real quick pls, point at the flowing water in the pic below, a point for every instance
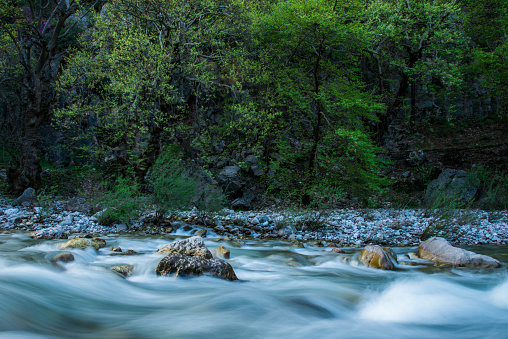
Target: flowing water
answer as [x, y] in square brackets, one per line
[283, 292]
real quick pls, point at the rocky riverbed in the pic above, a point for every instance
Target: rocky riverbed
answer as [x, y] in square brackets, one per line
[345, 227]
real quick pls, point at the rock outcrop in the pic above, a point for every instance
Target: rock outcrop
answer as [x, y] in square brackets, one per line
[27, 196]
[452, 187]
[376, 257]
[439, 250]
[190, 257]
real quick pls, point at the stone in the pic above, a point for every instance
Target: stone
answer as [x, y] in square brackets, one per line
[67, 221]
[27, 196]
[231, 180]
[245, 202]
[128, 252]
[124, 270]
[338, 250]
[63, 257]
[179, 265]
[11, 211]
[193, 246]
[116, 249]
[376, 257]
[48, 233]
[439, 250]
[82, 243]
[201, 233]
[452, 187]
[220, 252]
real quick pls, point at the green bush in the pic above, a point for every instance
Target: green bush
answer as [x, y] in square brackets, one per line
[173, 187]
[121, 203]
[494, 188]
[176, 188]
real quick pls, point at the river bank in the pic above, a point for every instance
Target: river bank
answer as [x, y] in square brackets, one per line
[345, 227]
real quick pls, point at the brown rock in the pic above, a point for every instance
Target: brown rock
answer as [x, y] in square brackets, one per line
[189, 266]
[63, 257]
[337, 250]
[116, 249]
[124, 270]
[439, 250]
[201, 233]
[376, 257]
[221, 252]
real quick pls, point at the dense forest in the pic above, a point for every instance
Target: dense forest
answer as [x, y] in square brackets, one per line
[199, 102]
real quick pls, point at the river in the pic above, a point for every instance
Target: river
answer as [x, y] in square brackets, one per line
[283, 292]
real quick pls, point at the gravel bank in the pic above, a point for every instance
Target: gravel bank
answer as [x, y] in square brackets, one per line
[348, 227]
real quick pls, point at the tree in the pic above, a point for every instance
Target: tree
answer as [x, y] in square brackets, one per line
[421, 40]
[145, 74]
[33, 37]
[305, 91]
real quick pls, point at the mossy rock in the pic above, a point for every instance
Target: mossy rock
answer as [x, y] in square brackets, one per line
[82, 243]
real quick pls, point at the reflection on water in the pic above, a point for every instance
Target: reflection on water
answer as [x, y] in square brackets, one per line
[283, 292]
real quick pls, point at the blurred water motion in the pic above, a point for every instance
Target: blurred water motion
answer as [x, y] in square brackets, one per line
[284, 292]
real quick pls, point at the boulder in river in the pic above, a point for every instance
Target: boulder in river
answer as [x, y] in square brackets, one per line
[439, 250]
[124, 270]
[221, 252]
[376, 257]
[188, 266]
[191, 246]
[63, 257]
[83, 243]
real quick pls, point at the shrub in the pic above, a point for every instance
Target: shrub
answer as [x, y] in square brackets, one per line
[121, 203]
[175, 187]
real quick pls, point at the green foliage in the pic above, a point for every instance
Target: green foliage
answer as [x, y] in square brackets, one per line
[176, 188]
[120, 203]
[494, 183]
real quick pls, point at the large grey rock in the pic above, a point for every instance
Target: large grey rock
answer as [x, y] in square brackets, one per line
[231, 180]
[244, 203]
[49, 233]
[188, 266]
[452, 187]
[193, 246]
[27, 196]
[376, 257]
[439, 250]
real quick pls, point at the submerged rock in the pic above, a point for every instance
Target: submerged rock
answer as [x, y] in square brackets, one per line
[439, 250]
[221, 252]
[124, 270]
[191, 246]
[337, 250]
[376, 257]
[83, 243]
[63, 257]
[201, 233]
[188, 266]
